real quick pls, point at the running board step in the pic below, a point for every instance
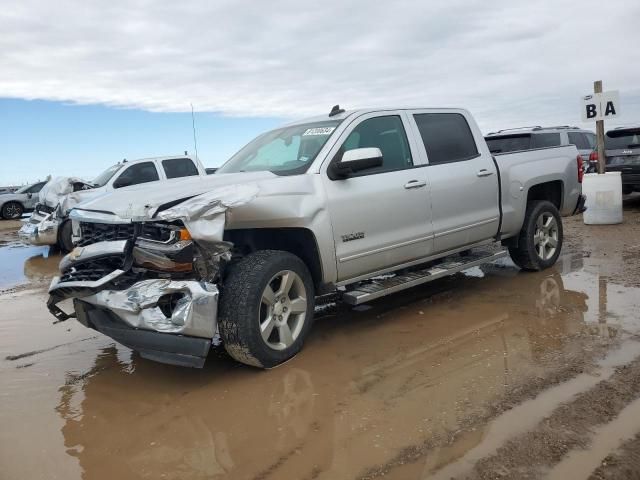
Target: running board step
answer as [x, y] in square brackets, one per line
[380, 287]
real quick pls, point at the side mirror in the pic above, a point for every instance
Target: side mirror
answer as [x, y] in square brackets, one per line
[122, 182]
[29, 195]
[356, 160]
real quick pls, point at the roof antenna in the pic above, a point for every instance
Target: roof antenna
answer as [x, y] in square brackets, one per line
[336, 110]
[193, 124]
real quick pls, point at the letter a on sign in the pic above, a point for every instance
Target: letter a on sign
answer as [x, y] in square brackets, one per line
[600, 106]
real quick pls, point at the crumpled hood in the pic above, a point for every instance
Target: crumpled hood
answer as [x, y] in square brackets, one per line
[141, 202]
[59, 191]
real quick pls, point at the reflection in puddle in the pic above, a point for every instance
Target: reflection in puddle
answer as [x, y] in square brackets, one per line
[21, 263]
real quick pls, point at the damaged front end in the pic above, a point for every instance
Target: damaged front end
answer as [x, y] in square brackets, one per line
[42, 226]
[149, 282]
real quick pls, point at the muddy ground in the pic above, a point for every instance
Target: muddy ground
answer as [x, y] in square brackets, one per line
[488, 374]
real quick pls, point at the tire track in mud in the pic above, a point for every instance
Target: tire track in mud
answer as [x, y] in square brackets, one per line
[569, 428]
[623, 463]
[527, 389]
[536, 424]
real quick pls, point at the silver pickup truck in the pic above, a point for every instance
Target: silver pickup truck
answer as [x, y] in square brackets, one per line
[357, 204]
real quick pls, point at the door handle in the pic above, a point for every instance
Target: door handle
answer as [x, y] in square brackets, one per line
[484, 173]
[414, 184]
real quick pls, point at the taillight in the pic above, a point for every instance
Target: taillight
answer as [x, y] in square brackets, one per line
[580, 168]
[593, 157]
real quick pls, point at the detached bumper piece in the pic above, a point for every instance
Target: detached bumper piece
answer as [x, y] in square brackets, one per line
[181, 350]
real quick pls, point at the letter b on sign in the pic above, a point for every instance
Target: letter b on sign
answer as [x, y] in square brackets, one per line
[592, 111]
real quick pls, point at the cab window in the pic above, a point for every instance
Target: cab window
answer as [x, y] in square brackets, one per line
[143, 172]
[386, 133]
[179, 167]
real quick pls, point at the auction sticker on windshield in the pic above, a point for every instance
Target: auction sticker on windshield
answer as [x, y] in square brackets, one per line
[319, 131]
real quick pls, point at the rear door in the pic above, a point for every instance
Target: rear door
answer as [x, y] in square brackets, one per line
[463, 180]
[381, 217]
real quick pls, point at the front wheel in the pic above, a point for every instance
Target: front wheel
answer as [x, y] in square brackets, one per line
[65, 243]
[266, 308]
[540, 239]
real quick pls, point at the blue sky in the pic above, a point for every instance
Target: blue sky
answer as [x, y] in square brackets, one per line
[46, 137]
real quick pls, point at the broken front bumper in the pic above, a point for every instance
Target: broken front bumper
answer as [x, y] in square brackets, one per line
[170, 321]
[40, 229]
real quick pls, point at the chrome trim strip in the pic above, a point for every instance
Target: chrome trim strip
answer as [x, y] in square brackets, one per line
[57, 284]
[384, 249]
[466, 227]
[96, 217]
[99, 249]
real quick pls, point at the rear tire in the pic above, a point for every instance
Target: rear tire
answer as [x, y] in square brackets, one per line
[266, 308]
[540, 240]
[12, 210]
[64, 237]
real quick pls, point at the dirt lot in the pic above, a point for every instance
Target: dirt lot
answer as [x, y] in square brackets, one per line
[489, 374]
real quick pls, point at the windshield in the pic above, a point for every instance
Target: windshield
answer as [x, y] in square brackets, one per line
[102, 179]
[509, 143]
[23, 189]
[285, 151]
[622, 139]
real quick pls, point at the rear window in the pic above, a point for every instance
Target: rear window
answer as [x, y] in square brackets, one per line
[509, 143]
[446, 137]
[179, 167]
[544, 140]
[622, 139]
[580, 140]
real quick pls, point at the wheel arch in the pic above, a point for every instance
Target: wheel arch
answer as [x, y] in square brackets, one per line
[299, 241]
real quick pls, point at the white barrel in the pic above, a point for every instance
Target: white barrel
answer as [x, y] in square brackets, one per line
[604, 198]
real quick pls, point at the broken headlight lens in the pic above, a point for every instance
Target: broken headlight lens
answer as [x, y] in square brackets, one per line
[173, 255]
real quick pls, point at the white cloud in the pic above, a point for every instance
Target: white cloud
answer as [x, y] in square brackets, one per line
[510, 62]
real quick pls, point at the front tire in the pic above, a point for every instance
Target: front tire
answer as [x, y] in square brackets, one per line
[266, 308]
[540, 239]
[64, 237]
[12, 210]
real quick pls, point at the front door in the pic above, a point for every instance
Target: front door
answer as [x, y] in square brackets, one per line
[381, 217]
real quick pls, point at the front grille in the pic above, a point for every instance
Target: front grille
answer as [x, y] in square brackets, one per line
[102, 232]
[93, 270]
[45, 209]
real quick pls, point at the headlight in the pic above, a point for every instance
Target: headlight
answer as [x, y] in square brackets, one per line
[174, 255]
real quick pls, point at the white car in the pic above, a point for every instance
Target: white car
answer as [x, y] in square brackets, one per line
[48, 225]
[14, 204]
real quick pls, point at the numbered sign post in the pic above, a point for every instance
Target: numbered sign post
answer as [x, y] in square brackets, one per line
[600, 107]
[603, 190]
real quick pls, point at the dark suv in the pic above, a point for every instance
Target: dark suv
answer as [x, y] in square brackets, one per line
[622, 154]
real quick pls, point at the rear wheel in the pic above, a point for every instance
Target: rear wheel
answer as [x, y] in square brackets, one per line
[540, 239]
[266, 308]
[12, 210]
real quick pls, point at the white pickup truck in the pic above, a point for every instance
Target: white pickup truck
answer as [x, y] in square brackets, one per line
[357, 204]
[49, 225]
